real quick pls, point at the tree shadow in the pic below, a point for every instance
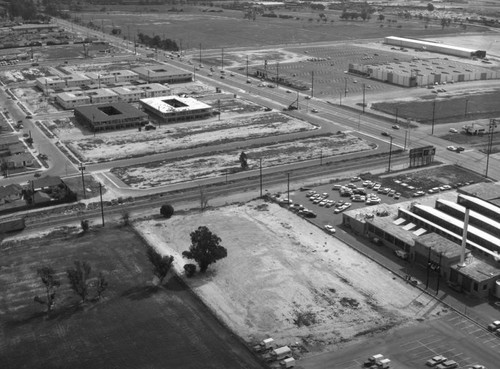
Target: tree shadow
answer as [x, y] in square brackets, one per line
[140, 292]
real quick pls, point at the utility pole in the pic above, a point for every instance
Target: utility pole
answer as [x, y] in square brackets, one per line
[102, 208]
[82, 168]
[312, 83]
[247, 67]
[493, 124]
[364, 88]
[390, 155]
[288, 187]
[428, 268]
[218, 103]
[277, 74]
[397, 114]
[433, 115]
[222, 59]
[345, 87]
[194, 73]
[260, 170]
[200, 53]
[439, 272]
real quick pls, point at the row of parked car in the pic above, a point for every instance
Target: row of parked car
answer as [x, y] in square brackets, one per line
[322, 200]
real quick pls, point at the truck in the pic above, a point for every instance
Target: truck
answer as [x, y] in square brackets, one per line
[265, 345]
[474, 129]
[12, 224]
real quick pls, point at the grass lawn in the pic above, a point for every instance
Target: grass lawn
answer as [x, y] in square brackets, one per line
[134, 326]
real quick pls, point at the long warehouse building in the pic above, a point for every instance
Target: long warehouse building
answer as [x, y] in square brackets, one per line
[435, 47]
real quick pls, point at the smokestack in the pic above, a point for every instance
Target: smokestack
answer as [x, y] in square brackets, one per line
[464, 238]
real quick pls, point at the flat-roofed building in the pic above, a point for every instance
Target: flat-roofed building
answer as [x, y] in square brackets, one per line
[102, 96]
[70, 100]
[114, 76]
[163, 73]
[58, 82]
[107, 117]
[135, 93]
[176, 109]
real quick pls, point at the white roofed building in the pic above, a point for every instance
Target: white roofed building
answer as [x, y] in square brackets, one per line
[70, 100]
[176, 109]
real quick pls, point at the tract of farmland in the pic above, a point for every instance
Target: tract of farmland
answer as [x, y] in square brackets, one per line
[134, 325]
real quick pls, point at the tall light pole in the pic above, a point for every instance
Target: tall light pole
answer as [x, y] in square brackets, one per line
[288, 188]
[390, 155]
[312, 83]
[102, 209]
[493, 124]
[247, 67]
[433, 115]
[345, 87]
[82, 168]
[277, 74]
[260, 175]
[200, 53]
[364, 89]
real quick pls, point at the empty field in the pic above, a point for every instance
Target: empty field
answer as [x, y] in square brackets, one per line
[135, 326]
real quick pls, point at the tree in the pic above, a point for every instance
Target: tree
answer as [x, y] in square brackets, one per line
[244, 160]
[161, 264]
[51, 283]
[126, 218]
[78, 278]
[167, 210]
[205, 248]
[101, 285]
[85, 225]
[430, 7]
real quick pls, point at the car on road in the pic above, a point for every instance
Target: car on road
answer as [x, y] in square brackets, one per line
[494, 326]
[385, 134]
[419, 194]
[395, 126]
[314, 110]
[308, 97]
[435, 360]
[477, 366]
[248, 81]
[288, 91]
[453, 130]
[329, 228]
[452, 148]
[460, 149]
[448, 364]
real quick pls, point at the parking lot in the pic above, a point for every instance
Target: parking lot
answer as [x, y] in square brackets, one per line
[451, 336]
[330, 215]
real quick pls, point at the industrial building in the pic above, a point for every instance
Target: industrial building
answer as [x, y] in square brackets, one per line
[434, 47]
[432, 236]
[107, 117]
[423, 72]
[163, 74]
[176, 109]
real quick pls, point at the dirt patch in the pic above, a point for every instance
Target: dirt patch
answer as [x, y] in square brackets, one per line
[218, 164]
[287, 279]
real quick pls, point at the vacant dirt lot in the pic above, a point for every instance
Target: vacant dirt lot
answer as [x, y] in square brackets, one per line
[287, 279]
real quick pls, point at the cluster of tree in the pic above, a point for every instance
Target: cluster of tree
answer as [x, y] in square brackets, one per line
[79, 281]
[317, 6]
[24, 9]
[364, 14]
[158, 43]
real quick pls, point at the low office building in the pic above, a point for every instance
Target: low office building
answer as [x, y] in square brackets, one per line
[163, 74]
[176, 109]
[102, 96]
[114, 76]
[58, 83]
[107, 117]
[70, 100]
[137, 92]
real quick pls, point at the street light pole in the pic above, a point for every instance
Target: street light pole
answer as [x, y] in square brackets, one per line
[345, 87]
[82, 168]
[390, 155]
[288, 187]
[312, 83]
[433, 115]
[260, 175]
[102, 209]
[364, 88]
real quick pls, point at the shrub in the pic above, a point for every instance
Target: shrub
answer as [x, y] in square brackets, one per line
[189, 269]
